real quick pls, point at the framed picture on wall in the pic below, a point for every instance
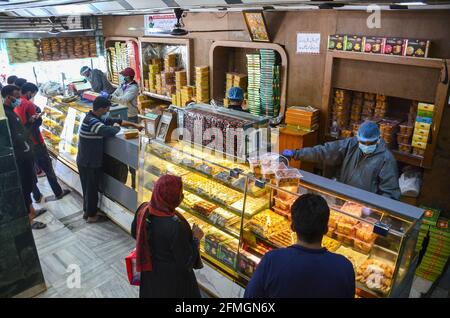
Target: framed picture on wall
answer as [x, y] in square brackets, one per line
[256, 25]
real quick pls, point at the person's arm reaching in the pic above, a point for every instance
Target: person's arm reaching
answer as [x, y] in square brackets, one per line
[388, 180]
[331, 153]
[101, 129]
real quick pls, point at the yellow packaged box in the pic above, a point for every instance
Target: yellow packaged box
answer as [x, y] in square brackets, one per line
[420, 138]
[419, 125]
[422, 132]
[418, 144]
[425, 106]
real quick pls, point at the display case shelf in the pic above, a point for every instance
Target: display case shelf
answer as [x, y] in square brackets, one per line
[157, 96]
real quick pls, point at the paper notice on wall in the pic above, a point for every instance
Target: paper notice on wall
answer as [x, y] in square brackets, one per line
[308, 43]
[159, 23]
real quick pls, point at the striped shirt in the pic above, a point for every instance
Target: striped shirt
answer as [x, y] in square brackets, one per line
[92, 132]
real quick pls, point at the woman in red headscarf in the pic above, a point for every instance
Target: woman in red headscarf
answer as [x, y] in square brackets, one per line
[167, 250]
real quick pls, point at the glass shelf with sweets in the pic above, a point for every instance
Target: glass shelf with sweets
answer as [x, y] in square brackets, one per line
[242, 223]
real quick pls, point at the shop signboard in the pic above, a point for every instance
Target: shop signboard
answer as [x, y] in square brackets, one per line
[159, 23]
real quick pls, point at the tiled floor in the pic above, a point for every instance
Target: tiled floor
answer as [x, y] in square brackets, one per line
[98, 249]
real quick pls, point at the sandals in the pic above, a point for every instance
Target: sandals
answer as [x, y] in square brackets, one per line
[38, 225]
[40, 212]
[101, 214]
[96, 219]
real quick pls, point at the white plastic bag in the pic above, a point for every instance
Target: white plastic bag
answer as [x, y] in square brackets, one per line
[410, 183]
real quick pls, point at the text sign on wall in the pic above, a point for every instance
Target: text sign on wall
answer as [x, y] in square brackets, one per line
[159, 23]
[308, 43]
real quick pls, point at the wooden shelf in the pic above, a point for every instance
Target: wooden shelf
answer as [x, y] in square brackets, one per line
[157, 96]
[219, 60]
[410, 78]
[408, 158]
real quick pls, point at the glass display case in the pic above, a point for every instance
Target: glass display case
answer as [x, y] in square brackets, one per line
[244, 217]
[61, 124]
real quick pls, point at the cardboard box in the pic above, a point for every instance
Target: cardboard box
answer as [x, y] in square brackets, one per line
[354, 43]
[422, 126]
[425, 106]
[337, 42]
[421, 145]
[374, 44]
[430, 217]
[395, 46]
[420, 138]
[417, 48]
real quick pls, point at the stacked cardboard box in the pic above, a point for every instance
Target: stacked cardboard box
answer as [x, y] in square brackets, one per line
[170, 62]
[144, 103]
[168, 82]
[180, 79]
[254, 79]
[235, 80]
[430, 218]
[380, 106]
[437, 252]
[306, 118]
[153, 70]
[422, 128]
[341, 107]
[187, 94]
[202, 84]
[158, 85]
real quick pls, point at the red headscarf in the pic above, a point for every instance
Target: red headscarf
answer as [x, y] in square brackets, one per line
[166, 196]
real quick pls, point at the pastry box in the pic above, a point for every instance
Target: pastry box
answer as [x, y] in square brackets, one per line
[374, 44]
[354, 43]
[417, 48]
[337, 42]
[395, 46]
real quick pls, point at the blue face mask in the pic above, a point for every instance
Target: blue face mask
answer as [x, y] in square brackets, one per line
[105, 116]
[367, 149]
[15, 103]
[121, 79]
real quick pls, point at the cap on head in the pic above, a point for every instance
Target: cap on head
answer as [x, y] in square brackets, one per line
[84, 69]
[368, 132]
[128, 72]
[236, 94]
[101, 102]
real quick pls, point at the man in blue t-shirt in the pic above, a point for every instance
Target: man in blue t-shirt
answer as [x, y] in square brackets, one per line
[305, 269]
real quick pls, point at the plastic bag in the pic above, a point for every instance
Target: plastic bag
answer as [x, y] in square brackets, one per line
[134, 277]
[410, 182]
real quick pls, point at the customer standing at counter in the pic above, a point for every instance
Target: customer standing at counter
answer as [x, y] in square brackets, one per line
[30, 116]
[22, 152]
[167, 249]
[365, 161]
[306, 269]
[97, 79]
[236, 99]
[96, 126]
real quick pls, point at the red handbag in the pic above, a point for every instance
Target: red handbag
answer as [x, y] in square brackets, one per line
[134, 277]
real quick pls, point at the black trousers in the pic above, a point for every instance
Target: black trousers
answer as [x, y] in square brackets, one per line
[90, 180]
[43, 160]
[132, 170]
[27, 179]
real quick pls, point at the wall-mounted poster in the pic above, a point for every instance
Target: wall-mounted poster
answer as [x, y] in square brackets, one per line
[159, 23]
[256, 25]
[308, 43]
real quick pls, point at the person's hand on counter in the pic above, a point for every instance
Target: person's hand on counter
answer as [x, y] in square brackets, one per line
[130, 124]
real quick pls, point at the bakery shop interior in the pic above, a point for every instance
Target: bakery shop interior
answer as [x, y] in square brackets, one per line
[257, 106]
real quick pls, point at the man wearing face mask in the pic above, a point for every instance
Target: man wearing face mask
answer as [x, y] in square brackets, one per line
[365, 161]
[22, 151]
[97, 79]
[30, 116]
[96, 126]
[126, 94]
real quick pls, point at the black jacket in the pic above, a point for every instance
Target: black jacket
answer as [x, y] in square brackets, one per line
[174, 254]
[19, 136]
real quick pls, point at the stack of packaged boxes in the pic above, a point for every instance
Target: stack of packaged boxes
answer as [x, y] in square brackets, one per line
[341, 108]
[187, 95]
[305, 118]
[437, 252]
[235, 80]
[180, 79]
[168, 83]
[430, 218]
[254, 78]
[202, 84]
[153, 70]
[170, 62]
[368, 106]
[422, 128]
[158, 84]
[380, 106]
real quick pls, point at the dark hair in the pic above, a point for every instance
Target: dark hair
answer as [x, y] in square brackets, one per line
[8, 90]
[29, 87]
[310, 214]
[11, 79]
[20, 82]
[101, 102]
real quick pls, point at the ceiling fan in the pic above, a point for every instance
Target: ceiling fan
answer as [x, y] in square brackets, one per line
[54, 21]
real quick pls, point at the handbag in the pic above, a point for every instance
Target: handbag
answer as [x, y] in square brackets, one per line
[134, 277]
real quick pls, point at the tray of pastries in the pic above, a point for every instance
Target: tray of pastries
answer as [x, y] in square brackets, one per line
[376, 275]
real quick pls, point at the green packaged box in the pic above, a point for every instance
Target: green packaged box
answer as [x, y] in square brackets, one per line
[425, 113]
[354, 43]
[430, 216]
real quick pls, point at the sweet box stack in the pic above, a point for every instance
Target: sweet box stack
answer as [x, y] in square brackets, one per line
[187, 94]
[235, 80]
[267, 60]
[202, 84]
[437, 252]
[356, 109]
[153, 70]
[341, 107]
[180, 79]
[254, 78]
[170, 62]
[422, 128]
[430, 218]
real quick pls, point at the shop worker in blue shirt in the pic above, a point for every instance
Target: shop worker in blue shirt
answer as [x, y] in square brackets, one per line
[96, 126]
[364, 161]
[306, 269]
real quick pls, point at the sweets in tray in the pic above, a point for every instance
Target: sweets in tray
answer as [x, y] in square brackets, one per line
[252, 205]
[376, 275]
